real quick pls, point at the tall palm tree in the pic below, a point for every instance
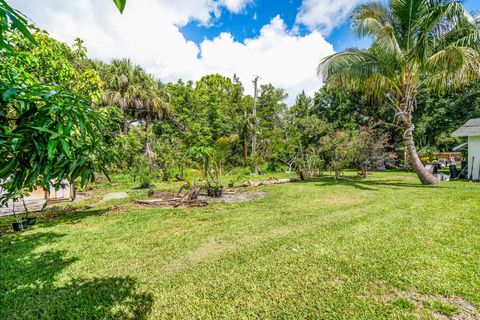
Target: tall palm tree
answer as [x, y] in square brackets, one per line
[155, 101]
[123, 88]
[431, 44]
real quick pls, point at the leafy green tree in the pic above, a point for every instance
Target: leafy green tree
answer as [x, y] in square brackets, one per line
[271, 110]
[244, 124]
[338, 150]
[49, 61]
[416, 44]
[48, 132]
[127, 146]
[370, 147]
[47, 135]
[436, 117]
[303, 131]
[123, 88]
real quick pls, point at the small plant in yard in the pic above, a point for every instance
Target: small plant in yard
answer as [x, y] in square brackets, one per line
[21, 223]
[370, 148]
[142, 171]
[213, 175]
[235, 180]
[338, 150]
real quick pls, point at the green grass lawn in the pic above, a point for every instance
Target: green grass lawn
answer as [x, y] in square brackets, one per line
[378, 248]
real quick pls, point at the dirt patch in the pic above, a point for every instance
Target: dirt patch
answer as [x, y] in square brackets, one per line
[438, 306]
[80, 196]
[166, 199]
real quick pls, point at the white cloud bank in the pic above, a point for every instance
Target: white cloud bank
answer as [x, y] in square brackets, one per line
[324, 15]
[148, 33]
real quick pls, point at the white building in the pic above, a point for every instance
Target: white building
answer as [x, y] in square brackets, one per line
[471, 129]
[36, 200]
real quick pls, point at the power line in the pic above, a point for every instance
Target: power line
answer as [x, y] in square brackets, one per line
[157, 55]
[153, 54]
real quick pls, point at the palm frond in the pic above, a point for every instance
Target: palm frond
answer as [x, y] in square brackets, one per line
[452, 67]
[369, 18]
[357, 70]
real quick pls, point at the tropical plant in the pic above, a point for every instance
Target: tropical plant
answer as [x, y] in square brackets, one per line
[223, 149]
[48, 132]
[338, 150]
[370, 148]
[211, 172]
[122, 89]
[141, 169]
[432, 44]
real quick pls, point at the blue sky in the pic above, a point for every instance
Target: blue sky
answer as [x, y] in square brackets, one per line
[247, 24]
[282, 41]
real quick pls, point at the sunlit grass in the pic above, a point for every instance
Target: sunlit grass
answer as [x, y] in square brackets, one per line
[320, 249]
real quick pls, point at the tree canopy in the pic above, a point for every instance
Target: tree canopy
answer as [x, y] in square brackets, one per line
[417, 44]
[49, 131]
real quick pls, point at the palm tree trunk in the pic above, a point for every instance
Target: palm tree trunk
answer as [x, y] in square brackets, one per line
[425, 177]
[407, 106]
[125, 122]
[245, 149]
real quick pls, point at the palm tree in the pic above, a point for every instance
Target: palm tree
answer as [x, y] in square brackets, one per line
[123, 88]
[155, 101]
[430, 44]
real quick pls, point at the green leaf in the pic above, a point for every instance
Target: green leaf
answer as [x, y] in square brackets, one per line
[8, 93]
[52, 146]
[120, 4]
[66, 147]
[5, 171]
[44, 130]
[20, 24]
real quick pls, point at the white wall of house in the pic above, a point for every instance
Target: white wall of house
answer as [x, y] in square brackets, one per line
[474, 158]
[36, 200]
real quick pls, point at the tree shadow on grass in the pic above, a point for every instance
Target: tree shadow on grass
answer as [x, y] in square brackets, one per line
[366, 183]
[59, 215]
[29, 290]
[52, 216]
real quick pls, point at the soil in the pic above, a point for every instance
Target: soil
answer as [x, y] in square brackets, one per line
[423, 303]
[166, 199]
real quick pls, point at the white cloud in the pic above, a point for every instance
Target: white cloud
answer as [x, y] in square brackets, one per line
[235, 6]
[324, 15]
[279, 57]
[148, 33]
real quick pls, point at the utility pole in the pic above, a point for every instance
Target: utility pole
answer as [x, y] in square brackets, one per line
[254, 130]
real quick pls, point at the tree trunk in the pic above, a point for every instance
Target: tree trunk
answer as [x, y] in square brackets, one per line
[125, 122]
[406, 104]
[245, 150]
[425, 177]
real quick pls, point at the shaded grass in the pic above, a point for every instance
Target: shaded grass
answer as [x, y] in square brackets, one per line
[317, 249]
